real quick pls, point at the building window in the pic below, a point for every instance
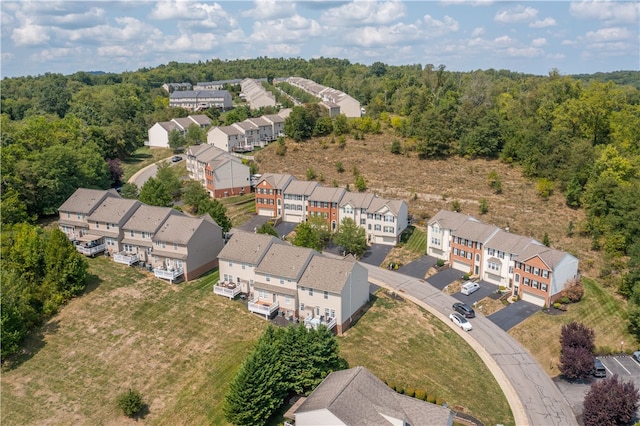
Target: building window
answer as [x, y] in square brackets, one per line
[527, 268]
[326, 294]
[267, 278]
[536, 271]
[244, 266]
[545, 274]
[310, 291]
[175, 246]
[517, 278]
[455, 251]
[287, 299]
[526, 281]
[544, 287]
[534, 284]
[333, 313]
[230, 263]
[494, 266]
[469, 256]
[282, 281]
[133, 234]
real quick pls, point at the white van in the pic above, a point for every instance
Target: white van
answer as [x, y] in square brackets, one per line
[469, 287]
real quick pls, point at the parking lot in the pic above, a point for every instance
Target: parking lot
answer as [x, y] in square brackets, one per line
[625, 367]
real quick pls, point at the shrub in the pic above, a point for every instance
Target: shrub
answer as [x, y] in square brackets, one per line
[495, 182]
[557, 305]
[130, 402]
[564, 300]
[610, 402]
[339, 167]
[400, 389]
[342, 142]
[573, 291]
[311, 174]
[431, 398]
[544, 188]
[392, 385]
[410, 392]
[440, 262]
[455, 206]
[396, 147]
[466, 276]
[421, 394]
[484, 208]
[281, 149]
[440, 401]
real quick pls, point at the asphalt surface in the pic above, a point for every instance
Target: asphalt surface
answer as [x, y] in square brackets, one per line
[143, 175]
[419, 267]
[533, 397]
[444, 278]
[485, 290]
[375, 254]
[285, 228]
[254, 223]
[513, 314]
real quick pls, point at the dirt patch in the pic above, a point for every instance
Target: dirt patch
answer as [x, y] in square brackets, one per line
[453, 288]
[489, 306]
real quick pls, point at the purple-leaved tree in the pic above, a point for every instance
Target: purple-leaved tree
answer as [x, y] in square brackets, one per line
[610, 402]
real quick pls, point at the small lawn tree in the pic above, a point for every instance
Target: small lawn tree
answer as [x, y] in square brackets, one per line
[610, 402]
[268, 229]
[576, 358]
[307, 236]
[351, 237]
[130, 402]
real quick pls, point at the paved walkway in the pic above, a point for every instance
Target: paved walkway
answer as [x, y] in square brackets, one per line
[533, 397]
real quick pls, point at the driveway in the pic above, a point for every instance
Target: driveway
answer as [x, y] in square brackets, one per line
[444, 278]
[485, 290]
[285, 228]
[513, 314]
[533, 397]
[376, 254]
[254, 223]
[419, 267]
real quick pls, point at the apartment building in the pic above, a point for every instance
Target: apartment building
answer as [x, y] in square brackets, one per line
[197, 100]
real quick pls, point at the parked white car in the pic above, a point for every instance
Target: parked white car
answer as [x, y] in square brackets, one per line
[460, 321]
[469, 287]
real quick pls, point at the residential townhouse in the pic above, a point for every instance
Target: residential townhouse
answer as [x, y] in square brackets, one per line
[109, 217]
[349, 106]
[159, 133]
[531, 270]
[139, 231]
[196, 100]
[73, 214]
[541, 273]
[250, 135]
[296, 200]
[217, 84]
[171, 87]
[333, 110]
[324, 202]
[357, 397]
[355, 205]
[220, 173]
[256, 95]
[277, 122]
[386, 220]
[292, 282]
[269, 194]
[186, 247]
[467, 244]
[172, 244]
[265, 130]
[227, 138]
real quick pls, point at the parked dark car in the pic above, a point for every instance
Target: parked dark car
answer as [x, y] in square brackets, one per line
[598, 368]
[464, 310]
[176, 158]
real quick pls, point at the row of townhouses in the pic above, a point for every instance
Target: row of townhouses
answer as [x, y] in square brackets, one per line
[248, 134]
[217, 84]
[172, 87]
[168, 242]
[197, 100]
[220, 173]
[159, 132]
[283, 196]
[296, 283]
[332, 98]
[531, 270]
[255, 94]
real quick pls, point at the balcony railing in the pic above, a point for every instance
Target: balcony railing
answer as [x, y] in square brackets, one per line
[125, 258]
[166, 274]
[91, 251]
[315, 322]
[225, 289]
[263, 308]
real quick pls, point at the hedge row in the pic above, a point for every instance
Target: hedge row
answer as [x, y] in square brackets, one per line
[418, 393]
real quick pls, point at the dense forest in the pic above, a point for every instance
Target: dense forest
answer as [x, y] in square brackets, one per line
[576, 134]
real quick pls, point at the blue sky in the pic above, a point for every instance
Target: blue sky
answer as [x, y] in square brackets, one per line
[531, 37]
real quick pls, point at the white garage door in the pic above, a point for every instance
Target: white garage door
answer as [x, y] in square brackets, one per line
[460, 266]
[390, 241]
[532, 298]
[265, 212]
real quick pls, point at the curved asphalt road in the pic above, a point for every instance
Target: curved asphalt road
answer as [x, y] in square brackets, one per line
[533, 397]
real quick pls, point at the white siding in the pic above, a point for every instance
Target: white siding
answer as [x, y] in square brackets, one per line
[158, 136]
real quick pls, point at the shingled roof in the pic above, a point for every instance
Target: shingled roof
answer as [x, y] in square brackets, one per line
[357, 397]
[450, 220]
[180, 229]
[285, 261]
[551, 257]
[247, 247]
[85, 200]
[114, 210]
[149, 218]
[327, 274]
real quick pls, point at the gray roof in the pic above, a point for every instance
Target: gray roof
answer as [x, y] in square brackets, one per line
[357, 397]
[247, 247]
[114, 210]
[275, 288]
[378, 204]
[329, 195]
[196, 150]
[276, 180]
[475, 231]
[551, 257]
[274, 118]
[180, 229]
[327, 274]
[357, 200]
[168, 125]
[507, 242]
[245, 125]
[285, 261]
[86, 200]
[301, 187]
[201, 119]
[259, 121]
[184, 122]
[179, 94]
[228, 130]
[450, 220]
[148, 218]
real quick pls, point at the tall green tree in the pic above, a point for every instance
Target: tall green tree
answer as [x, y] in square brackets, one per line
[217, 211]
[307, 236]
[176, 140]
[154, 193]
[351, 237]
[299, 124]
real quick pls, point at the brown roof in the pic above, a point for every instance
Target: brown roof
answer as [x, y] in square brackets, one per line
[114, 210]
[275, 288]
[247, 247]
[450, 220]
[180, 229]
[328, 195]
[475, 231]
[357, 200]
[149, 218]
[378, 204]
[551, 257]
[276, 180]
[301, 187]
[327, 274]
[86, 200]
[285, 261]
[507, 242]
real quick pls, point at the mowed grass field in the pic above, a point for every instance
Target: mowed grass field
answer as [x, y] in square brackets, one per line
[180, 345]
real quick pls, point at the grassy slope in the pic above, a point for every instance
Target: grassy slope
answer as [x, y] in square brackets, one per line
[181, 345]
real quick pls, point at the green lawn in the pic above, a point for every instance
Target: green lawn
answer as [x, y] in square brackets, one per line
[180, 345]
[417, 241]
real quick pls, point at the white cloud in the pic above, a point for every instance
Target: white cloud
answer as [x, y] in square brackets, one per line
[608, 34]
[478, 31]
[294, 29]
[88, 18]
[546, 22]
[129, 30]
[30, 35]
[527, 52]
[568, 42]
[179, 9]
[467, 2]
[437, 28]
[361, 13]
[608, 11]
[516, 14]
[385, 36]
[270, 9]
[56, 53]
[539, 42]
[115, 51]
[280, 49]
